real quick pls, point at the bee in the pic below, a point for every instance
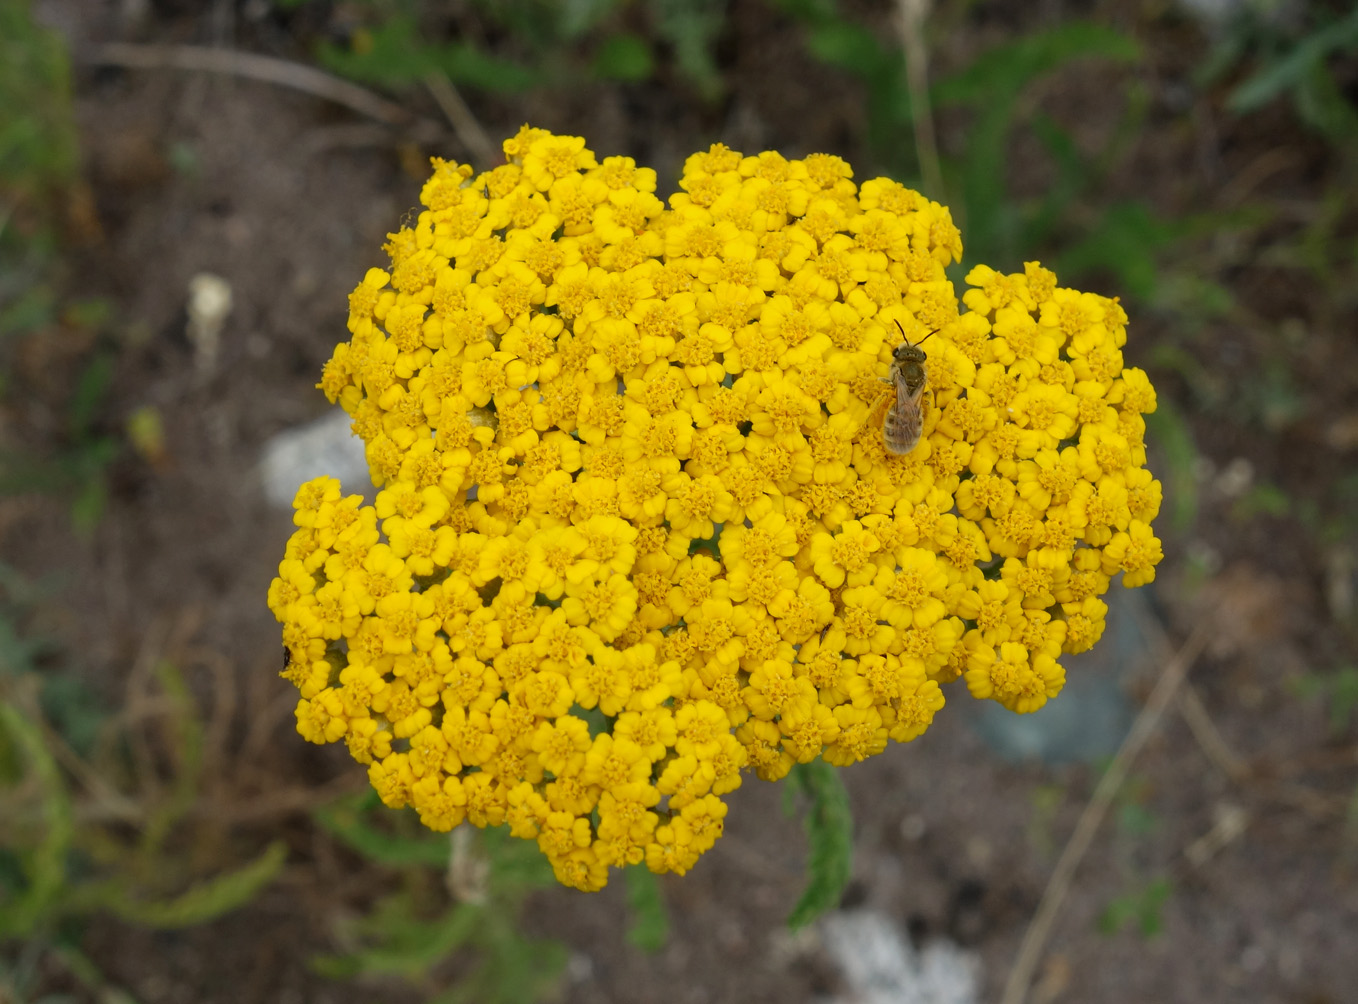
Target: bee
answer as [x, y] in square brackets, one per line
[904, 419]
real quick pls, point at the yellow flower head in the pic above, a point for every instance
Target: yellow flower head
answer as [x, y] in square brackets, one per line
[638, 528]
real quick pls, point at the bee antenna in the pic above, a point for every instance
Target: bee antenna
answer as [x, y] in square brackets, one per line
[907, 337]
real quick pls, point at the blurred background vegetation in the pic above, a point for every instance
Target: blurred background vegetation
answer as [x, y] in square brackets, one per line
[1198, 159]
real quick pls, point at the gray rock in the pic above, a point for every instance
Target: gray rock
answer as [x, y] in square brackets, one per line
[325, 446]
[881, 966]
[1089, 718]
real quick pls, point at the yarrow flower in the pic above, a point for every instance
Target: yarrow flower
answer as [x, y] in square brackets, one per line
[641, 529]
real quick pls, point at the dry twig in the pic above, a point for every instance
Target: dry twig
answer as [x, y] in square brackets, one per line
[912, 15]
[138, 705]
[464, 123]
[270, 805]
[1035, 938]
[1189, 704]
[267, 69]
[1209, 738]
[1262, 781]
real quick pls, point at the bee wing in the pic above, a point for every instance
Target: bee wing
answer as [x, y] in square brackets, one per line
[904, 419]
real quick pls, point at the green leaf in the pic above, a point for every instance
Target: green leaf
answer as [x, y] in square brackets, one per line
[829, 833]
[514, 970]
[545, 24]
[90, 390]
[72, 706]
[408, 945]
[347, 820]
[858, 50]
[1125, 241]
[813, 12]
[691, 27]
[852, 47]
[516, 866]
[1116, 914]
[87, 508]
[1263, 499]
[33, 307]
[992, 84]
[400, 937]
[207, 900]
[469, 66]
[1343, 698]
[394, 54]
[999, 74]
[578, 17]
[1136, 819]
[18, 652]
[1073, 176]
[186, 734]
[1143, 906]
[91, 313]
[1192, 297]
[44, 868]
[650, 925]
[1168, 429]
[37, 132]
[389, 54]
[1293, 68]
[1324, 106]
[623, 57]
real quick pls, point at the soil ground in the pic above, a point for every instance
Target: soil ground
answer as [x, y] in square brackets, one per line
[289, 198]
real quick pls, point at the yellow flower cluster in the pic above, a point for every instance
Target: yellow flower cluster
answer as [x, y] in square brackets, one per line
[641, 529]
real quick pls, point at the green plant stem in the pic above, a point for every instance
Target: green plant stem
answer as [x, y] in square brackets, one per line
[829, 836]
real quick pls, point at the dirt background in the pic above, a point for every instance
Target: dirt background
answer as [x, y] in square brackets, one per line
[289, 197]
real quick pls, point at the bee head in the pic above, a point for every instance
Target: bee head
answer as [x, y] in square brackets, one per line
[905, 352]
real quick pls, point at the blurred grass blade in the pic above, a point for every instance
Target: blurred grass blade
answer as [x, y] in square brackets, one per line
[410, 945]
[692, 27]
[186, 734]
[1072, 177]
[1292, 69]
[852, 47]
[206, 900]
[44, 868]
[90, 391]
[394, 54]
[1126, 242]
[625, 58]
[1323, 104]
[37, 132]
[515, 970]
[1143, 906]
[1000, 73]
[993, 84]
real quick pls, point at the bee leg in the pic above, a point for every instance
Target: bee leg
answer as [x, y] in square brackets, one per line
[877, 415]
